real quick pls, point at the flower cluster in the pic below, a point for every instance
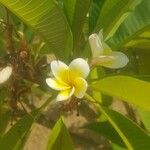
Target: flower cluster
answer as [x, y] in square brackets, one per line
[70, 80]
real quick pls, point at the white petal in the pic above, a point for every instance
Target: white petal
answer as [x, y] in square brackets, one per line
[5, 73]
[65, 95]
[100, 34]
[56, 85]
[80, 87]
[60, 71]
[96, 45]
[107, 49]
[100, 60]
[120, 61]
[78, 68]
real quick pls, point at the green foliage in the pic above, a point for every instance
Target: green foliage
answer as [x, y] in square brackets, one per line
[106, 129]
[60, 138]
[47, 19]
[135, 24]
[17, 132]
[126, 88]
[69, 7]
[112, 15]
[145, 115]
[94, 13]
[77, 16]
[4, 120]
[127, 130]
[116, 147]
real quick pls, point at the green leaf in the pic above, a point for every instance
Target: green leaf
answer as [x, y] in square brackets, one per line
[3, 95]
[116, 147]
[113, 14]
[133, 136]
[4, 119]
[94, 13]
[22, 141]
[60, 138]
[69, 7]
[46, 18]
[136, 23]
[145, 118]
[80, 17]
[126, 88]
[77, 16]
[95, 74]
[126, 128]
[106, 129]
[17, 132]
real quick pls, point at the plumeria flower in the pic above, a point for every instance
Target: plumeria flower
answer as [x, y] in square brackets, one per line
[69, 80]
[103, 55]
[5, 73]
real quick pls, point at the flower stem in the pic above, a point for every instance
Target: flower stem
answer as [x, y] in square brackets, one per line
[89, 98]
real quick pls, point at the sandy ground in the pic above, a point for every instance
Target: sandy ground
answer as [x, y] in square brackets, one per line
[83, 139]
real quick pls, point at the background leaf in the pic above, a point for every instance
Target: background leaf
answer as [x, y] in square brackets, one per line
[94, 12]
[77, 16]
[17, 132]
[113, 14]
[116, 147]
[4, 120]
[127, 130]
[60, 138]
[107, 130]
[69, 7]
[46, 18]
[127, 88]
[136, 23]
[145, 118]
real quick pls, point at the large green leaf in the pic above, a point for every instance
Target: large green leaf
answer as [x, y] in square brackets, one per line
[135, 24]
[17, 132]
[69, 7]
[16, 135]
[134, 137]
[106, 129]
[3, 95]
[46, 18]
[78, 23]
[142, 41]
[60, 138]
[94, 12]
[4, 119]
[113, 14]
[145, 118]
[76, 11]
[116, 147]
[126, 88]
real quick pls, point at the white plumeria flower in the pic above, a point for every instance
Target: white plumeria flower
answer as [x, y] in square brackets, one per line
[103, 55]
[5, 73]
[69, 80]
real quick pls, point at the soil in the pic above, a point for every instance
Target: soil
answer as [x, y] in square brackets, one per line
[83, 139]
